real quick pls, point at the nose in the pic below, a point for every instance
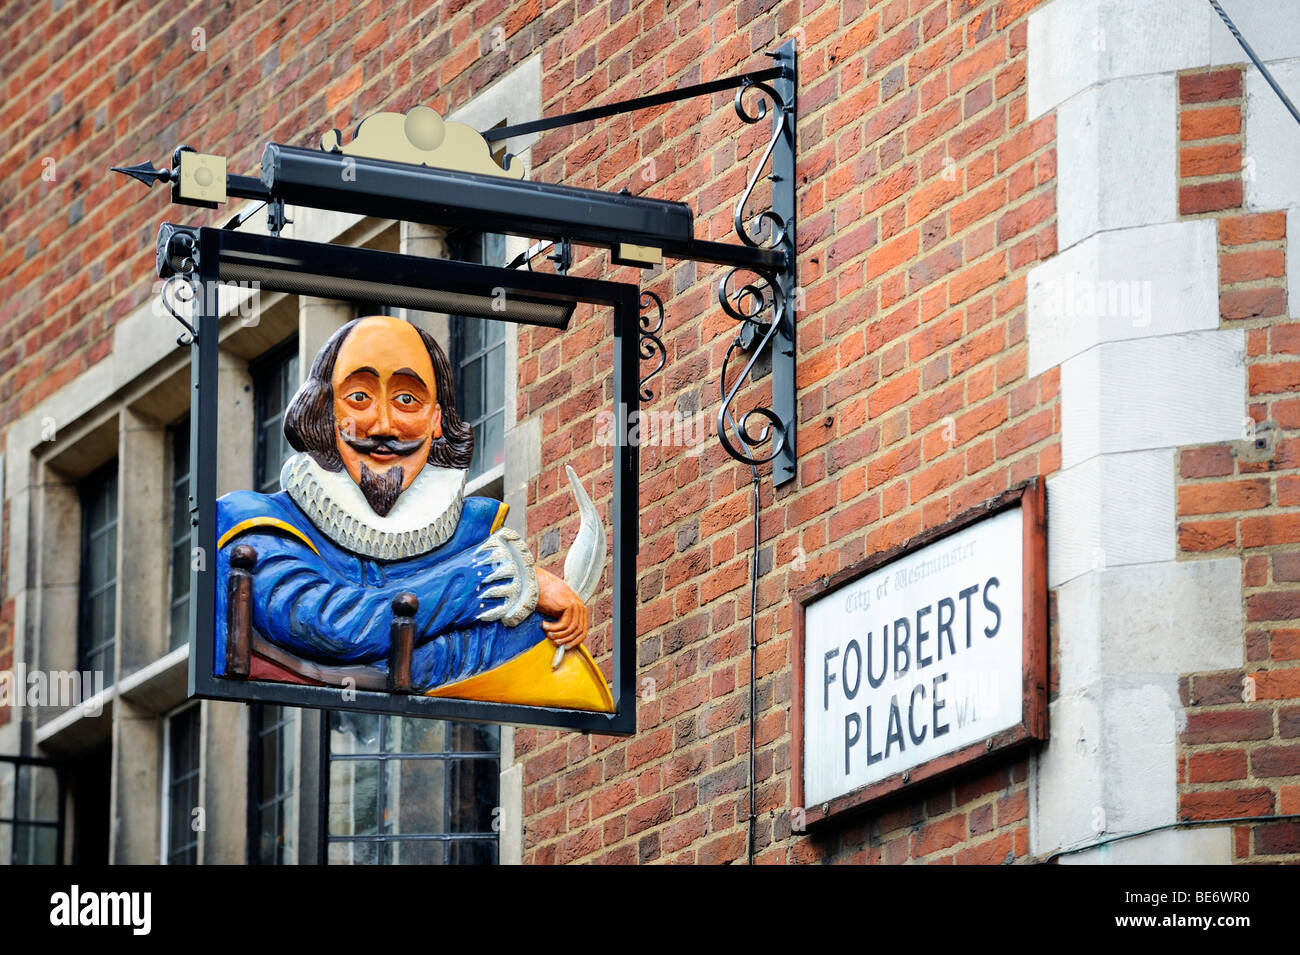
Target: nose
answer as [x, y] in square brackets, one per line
[383, 419]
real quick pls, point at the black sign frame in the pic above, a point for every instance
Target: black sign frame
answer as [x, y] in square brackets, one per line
[218, 246]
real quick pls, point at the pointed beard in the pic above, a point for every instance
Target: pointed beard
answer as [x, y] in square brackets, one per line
[381, 488]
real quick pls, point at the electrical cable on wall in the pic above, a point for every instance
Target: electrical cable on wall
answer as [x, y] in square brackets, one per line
[1259, 64]
[1181, 824]
[753, 657]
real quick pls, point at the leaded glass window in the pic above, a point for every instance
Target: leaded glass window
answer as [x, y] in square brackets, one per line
[183, 786]
[275, 379]
[97, 629]
[272, 753]
[31, 819]
[273, 788]
[406, 791]
[180, 539]
[479, 354]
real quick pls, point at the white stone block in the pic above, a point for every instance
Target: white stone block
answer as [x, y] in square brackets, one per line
[1110, 766]
[144, 338]
[1153, 36]
[45, 422]
[16, 568]
[1130, 283]
[1066, 778]
[1200, 846]
[1111, 510]
[1117, 157]
[1138, 753]
[511, 824]
[20, 438]
[1149, 621]
[1153, 393]
[1062, 58]
[1271, 27]
[515, 98]
[1074, 44]
[1272, 163]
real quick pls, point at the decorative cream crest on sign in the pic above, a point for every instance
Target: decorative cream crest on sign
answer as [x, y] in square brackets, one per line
[424, 138]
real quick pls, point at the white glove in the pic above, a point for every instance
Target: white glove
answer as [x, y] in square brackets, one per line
[512, 564]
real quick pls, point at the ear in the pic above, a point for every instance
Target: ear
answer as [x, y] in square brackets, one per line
[437, 422]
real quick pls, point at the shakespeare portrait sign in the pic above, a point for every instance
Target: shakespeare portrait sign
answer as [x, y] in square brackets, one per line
[370, 567]
[371, 579]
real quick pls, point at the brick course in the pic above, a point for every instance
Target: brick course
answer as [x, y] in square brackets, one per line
[1235, 499]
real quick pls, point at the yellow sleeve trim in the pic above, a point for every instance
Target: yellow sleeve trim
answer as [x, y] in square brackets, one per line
[502, 510]
[273, 522]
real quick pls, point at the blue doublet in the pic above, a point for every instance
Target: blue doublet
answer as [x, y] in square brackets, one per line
[334, 607]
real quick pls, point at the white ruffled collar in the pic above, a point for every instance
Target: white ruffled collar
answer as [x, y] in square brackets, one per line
[424, 516]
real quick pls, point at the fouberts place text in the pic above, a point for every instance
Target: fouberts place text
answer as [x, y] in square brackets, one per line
[916, 659]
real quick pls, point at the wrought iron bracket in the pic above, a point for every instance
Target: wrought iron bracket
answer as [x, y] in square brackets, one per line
[177, 255]
[763, 306]
[275, 217]
[562, 256]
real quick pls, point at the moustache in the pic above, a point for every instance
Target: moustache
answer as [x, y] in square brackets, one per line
[385, 443]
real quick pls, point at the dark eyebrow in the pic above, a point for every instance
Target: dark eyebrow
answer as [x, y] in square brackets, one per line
[411, 373]
[365, 370]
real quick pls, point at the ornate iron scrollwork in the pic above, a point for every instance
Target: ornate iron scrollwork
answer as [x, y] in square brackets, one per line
[761, 305]
[173, 285]
[650, 343]
[769, 216]
[177, 254]
[746, 304]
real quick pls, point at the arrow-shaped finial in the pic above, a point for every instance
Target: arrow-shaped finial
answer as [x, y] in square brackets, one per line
[145, 172]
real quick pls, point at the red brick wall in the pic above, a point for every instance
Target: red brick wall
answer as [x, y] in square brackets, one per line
[1239, 754]
[924, 197]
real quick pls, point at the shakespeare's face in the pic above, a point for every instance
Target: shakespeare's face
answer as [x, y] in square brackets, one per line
[386, 409]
